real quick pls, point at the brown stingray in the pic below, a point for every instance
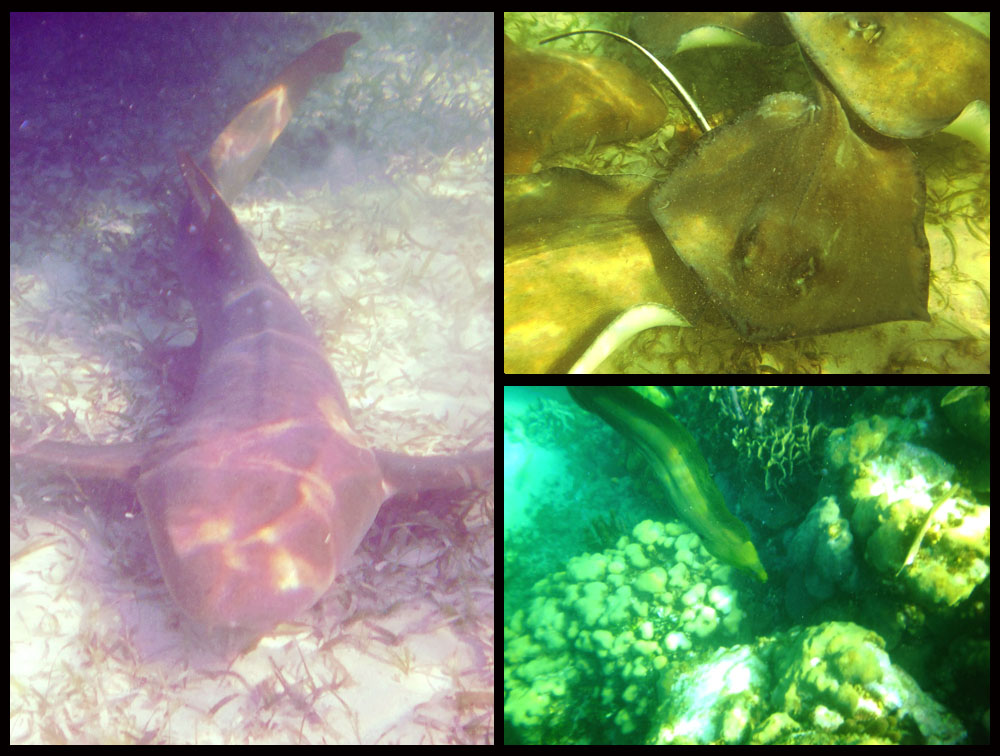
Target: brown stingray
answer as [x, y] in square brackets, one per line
[578, 251]
[906, 75]
[797, 226]
[557, 100]
[665, 33]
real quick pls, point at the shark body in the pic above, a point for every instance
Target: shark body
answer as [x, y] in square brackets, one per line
[262, 489]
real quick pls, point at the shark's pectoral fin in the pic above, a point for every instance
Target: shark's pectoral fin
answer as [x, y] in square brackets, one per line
[405, 474]
[119, 462]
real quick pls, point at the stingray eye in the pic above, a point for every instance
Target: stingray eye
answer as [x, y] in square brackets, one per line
[869, 30]
[747, 246]
[802, 275]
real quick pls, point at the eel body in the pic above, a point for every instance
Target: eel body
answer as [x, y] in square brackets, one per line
[678, 464]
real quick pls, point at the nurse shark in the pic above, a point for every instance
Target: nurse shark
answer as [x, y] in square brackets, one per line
[261, 489]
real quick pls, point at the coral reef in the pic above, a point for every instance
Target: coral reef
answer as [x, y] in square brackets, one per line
[714, 700]
[913, 522]
[830, 683]
[646, 638]
[583, 656]
[822, 555]
[838, 677]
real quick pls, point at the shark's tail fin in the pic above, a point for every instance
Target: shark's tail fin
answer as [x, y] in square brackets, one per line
[241, 147]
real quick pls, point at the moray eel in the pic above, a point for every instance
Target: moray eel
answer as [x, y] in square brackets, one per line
[678, 464]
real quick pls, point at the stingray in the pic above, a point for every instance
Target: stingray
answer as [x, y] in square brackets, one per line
[906, 75]
[579, 250]
[559, 100]
[797, 226]
[668, 33]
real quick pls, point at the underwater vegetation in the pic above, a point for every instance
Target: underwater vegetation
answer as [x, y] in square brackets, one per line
[774, 432]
